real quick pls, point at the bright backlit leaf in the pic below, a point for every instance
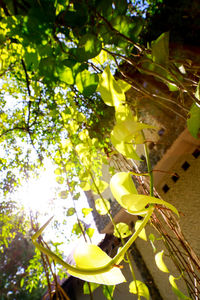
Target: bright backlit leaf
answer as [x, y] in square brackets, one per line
[86, 211]
[65, 74]
[176, 290]
[139, 288]
[126, 130]
[123, 85]
[90, 232]
[109, 89]
[122, 230]
[136, 203]
[122, 112]
[160, 263]
[59, 179]
[122, 184]
[99, 186]
[91, 256]
[127, 149]
[102, 206]
[142, 233]
[101, 58]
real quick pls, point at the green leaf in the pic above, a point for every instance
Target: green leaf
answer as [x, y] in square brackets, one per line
[110, 91]
[102, 206]
[87, 82]
[71, 211]
[123, 85]
[122, 184]
[122, 230]
[89, 47]
[197, 93]
[93, 287]
[91, 256]
[90, 232]
[126, 130]
[142, 233]
[85, 186]
[160, 49]
[193, 122]
[152, 240]
[175, 289]
[59, 179]
[77, 229]
[122, 112]
[136, 203]
[58, 171]
[86, 211]
[160, 263]
[127, 149]
[22, 282]
[108, 291]
[130, 27]
[139, 288]
[101, 185]
[65, 74]
[101, 58]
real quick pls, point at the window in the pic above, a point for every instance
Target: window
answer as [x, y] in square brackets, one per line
[165, 188]
[196, 153]
[185, 166]
[175, 177]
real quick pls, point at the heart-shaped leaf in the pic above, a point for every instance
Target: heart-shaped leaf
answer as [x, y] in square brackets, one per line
[139, 288]
[110, 91]
[160, 263]
[91, 256]
[102, 206]
[122, 184]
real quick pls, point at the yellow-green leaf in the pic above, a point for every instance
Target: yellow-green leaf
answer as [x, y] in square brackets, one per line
[142, 233]
[127, 149]
[99, 186]
[102, 206]
[122, 184]
[101, 58]
[91, 256]
[126, 130]
[139, 288]
[122, 112]
[160, 263]
[136, 203]
[123, 85]
[176, 290]
[122, 230]
[86, 211]
[110, 91]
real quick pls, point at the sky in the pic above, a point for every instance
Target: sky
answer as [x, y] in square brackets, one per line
[39, 196]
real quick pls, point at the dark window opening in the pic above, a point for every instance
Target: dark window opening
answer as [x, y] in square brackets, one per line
[196, 153]
[185, 166]
[165, 188]
[175, 177]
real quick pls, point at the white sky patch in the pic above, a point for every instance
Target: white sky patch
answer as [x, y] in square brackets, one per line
[39, 196]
